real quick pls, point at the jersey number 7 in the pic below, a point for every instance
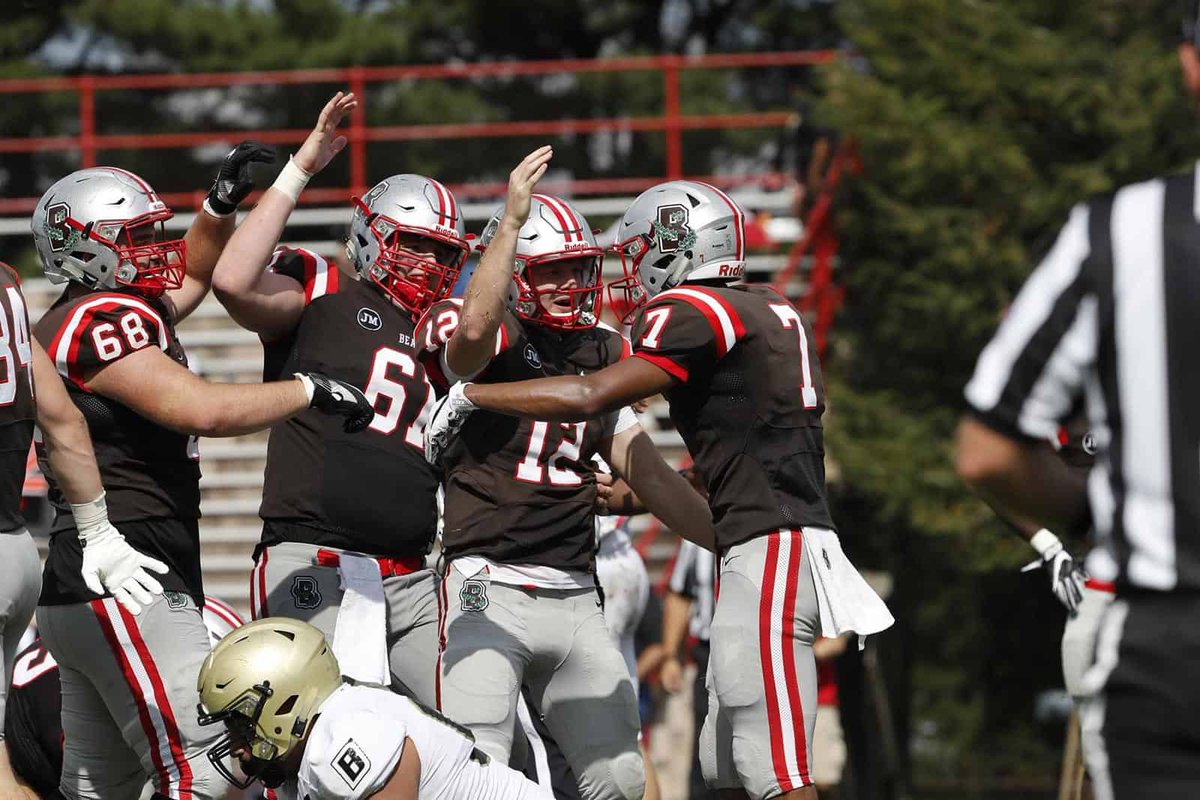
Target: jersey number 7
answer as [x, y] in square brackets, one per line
[790, 318]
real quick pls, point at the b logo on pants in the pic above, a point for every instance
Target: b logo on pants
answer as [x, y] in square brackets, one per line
[473, 596]
[305, 593]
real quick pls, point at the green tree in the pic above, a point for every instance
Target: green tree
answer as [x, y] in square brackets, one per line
[979, 124]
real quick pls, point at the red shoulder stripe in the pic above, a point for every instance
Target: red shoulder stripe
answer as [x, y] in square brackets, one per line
[64, 347]
[722, 317]
[16, 276]
[668, 366]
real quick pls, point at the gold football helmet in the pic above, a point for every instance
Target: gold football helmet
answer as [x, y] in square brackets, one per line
[265, 682]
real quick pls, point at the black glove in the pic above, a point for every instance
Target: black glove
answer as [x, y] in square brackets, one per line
[331, 396]
[233, 181]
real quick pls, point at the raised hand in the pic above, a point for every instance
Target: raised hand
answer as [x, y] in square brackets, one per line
[234, 181]
[521, 182]
[323, 143]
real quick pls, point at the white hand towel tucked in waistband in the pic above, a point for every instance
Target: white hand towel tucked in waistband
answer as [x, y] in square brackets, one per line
[360, 641]
[846, 601]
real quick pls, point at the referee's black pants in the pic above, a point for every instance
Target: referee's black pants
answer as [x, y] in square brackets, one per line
[1142, 726]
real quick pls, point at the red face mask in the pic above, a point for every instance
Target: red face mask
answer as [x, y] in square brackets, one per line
[147, 262]
[412, 281]
[561, 307]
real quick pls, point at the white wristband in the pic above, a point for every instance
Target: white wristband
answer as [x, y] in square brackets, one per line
[292, 180]
[307, 383]
[90, 517]
[1044, 541]
[209, 210]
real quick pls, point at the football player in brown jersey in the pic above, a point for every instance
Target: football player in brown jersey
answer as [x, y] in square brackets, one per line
[129, 682]
[330, 499]
[520, 601]
[738, 366]
[109, 563]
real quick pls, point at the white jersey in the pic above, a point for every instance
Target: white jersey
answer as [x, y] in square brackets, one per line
[357, 741]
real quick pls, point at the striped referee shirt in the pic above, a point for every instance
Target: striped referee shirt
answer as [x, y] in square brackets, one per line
[692, 576]
[1111, 317]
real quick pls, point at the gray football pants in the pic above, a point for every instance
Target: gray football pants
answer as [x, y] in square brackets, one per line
[496, 637]
[129, 699]
[294, 585]
[762, 679]
[20, 583]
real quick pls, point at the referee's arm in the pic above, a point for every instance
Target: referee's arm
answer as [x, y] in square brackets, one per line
[1026, 381]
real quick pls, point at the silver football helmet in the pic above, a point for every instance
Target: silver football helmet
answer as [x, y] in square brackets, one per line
[383, 245]
[554, 232]
[103, 227]
[673, 233]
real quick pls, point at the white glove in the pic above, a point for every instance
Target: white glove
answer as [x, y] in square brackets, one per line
[110, 564]
[448, 417]
[1066, 577]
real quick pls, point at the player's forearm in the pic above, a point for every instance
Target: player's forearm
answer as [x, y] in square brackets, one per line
[239, 274]
[624, 501]
[231, 409]
[1025, 528]
[650, 660]
[669, 497]
[664, 492]
[1021, 481]
[72, 460]
[206, 239]
[483, 303]
[675, 623]
[565, 398]
[65, 434]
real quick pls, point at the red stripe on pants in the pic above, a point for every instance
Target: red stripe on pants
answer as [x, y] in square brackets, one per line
[174, 739]
[774, 724]
[443, 612]
[135, 689]
[790, 676]
[262, 584]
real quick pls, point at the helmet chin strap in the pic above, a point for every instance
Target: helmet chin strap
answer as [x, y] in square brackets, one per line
[682, 265]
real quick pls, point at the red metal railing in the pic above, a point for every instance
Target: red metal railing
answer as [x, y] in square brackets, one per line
[822, 297]
[672, 123]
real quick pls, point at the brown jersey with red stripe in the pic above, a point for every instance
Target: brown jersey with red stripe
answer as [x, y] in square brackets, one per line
[17, 411]
[521, 491]
[748, 403]
[371, 492]
[149, 471]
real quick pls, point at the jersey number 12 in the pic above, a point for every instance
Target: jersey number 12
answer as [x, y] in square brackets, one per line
[534, 469]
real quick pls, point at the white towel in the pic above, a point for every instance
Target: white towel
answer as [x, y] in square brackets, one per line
[845, 600]
[360, 641]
